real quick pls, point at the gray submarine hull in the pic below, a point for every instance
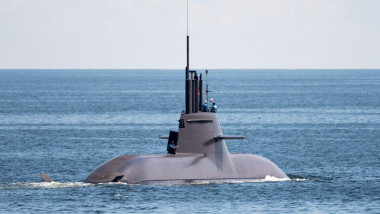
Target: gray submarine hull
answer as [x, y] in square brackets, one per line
[202, 154]
[183, 168]
[201, 149]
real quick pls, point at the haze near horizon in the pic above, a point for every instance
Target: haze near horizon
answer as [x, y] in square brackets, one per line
[235, 34]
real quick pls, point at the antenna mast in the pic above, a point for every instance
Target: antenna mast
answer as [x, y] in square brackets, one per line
[187, 17]
[188, 80]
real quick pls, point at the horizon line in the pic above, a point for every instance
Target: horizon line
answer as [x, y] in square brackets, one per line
[192, 68]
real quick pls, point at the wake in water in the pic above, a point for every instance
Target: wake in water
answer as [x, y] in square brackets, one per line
[297, 178]
[56, 185]
[268, 178]
[43, 185]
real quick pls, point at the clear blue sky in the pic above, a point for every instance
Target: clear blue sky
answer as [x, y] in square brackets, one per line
[224, 33]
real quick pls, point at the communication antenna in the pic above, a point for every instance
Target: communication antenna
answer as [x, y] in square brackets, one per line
[187, 17]
[189, 94]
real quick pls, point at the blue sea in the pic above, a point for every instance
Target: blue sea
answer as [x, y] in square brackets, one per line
[321, 127]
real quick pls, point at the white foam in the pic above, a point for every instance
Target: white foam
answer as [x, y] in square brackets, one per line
[52, 185]
[267, 178]
[55, 185]
[299, 179]
[272, 178]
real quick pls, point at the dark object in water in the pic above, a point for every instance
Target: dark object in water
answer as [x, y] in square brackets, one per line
[45, 177]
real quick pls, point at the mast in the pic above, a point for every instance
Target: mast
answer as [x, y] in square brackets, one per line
[188, 80]
[188, 84]
[193, 81]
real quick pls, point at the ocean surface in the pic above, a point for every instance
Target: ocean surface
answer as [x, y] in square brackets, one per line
[321, 127]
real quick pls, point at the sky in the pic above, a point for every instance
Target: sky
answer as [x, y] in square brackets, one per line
[225, 34]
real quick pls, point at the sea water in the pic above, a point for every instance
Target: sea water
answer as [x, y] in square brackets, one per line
[321, 127]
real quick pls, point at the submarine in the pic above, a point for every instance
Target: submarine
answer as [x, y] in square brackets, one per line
[200, 153]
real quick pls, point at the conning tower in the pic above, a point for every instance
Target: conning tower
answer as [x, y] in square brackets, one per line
[199, 132]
